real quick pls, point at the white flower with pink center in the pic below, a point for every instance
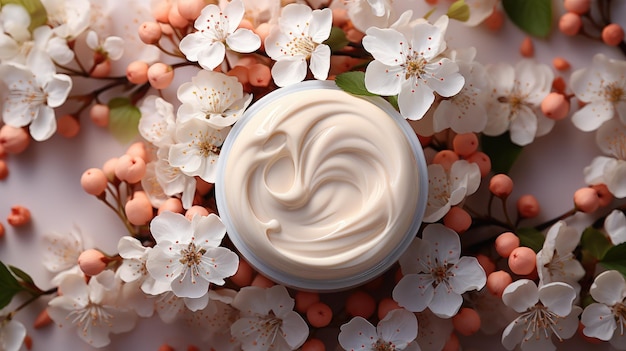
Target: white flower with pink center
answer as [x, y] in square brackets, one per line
[606, 318]
[610, 169]
[397, 331]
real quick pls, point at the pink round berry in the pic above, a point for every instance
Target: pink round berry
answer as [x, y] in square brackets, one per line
[487, 263]
[246, 24]
[497, 282]
[570, 23]
[465, 144]
[243, 276]
[160, 75]
[501, 185]
[528, 206]
[161, 10]
[577, 6]
[4, 169]
[361, 304]
[190, 9]
[241, 73]
[304, 299]
[259, 75]
[604, 195]
[313, 344]
[138, 209]
[555, 106]
[457, 219]
[466, 322]
[101, 70]
[175, 19]
[92, 262]
[196, 210]
[94, 181]
[263, 30]
[99, 115]
[386, 305]
[150, 32]
[522, 260]
[613, 34]
[138, 149]
[19, 216]
[506, 243]
[172, 204]
[137, 72]
[68, 126]
[319, 314]
[482, 160]
[109, 168]
[262, 281]
[130, 168]
[14, 140]
[446, 158]
[586, 200]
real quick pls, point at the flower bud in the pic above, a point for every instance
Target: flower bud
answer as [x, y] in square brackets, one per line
[522, 260]
[175, 19]
[495, 20]
[99, 115]
[259, 75]
[466, 322]
[457, 219]
[527, 49]
[487, 263]
[604, 195]
[94, 181]
[243, 276]
[570, 24]
[482, 160]
[161, 10]
[4, 170]
[42, 320]
[130, 169]
[465, 144]
[340, 17]
[560, 64]
[263, 31]
[528, 206]
[196, 210]
[501, 185]
[101, 70]
[137, 72]
[19, 216]
[319, 315]
[92, 262]
[446, 158]
[313, 344]
[245, 24]
[577, 6]
[138, 149]
[360, 304]
[304, 299]
[14, 140]
[172, 204]
[262, 281]
[241, 73]
[506, 243]
[497, 282]
[109, 168]
[190, 9]
[586, 200]
[386, 305]
[613, 34]
[160, 75]
[138, 209]
[68, 126]
[150, 32]
[555, 106]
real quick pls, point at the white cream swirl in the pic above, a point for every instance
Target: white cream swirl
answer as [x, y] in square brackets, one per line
[321, 184]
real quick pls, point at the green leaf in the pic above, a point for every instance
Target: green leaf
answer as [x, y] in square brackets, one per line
[123, 119]
[36, 10]
[532, 16]
[20, 274]
[9, 286]
[595, 242]
[530, 237]
[353, 83]
[459, 11]
[337, 39]
[501, 150]
[615, 258]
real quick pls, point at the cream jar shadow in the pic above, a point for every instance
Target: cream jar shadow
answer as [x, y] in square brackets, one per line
[319, 189]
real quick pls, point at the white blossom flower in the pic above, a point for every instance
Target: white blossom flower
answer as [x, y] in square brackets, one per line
[169, 307]
[92, 307]
[433, 331]
[610, 170]
[213, 322]
[112, 47]
[615, 226]
[217, 30]
[556, 261]
[197, 148]
[267, 320]
[12, 334]
[435, 275]
[515, 100]
[543, 312]
[449, 188]
[397, 331]
[187, 254]
[261, 11]
[33, 93]
[603, 88]
[132, 297]
[370, 13]
[151, 186]
[465, 112]
[14, 22]
[69, 18]
[157, 123]
[172, 180]
[212, 97]
[133, 267]
[408, 64]
[62, 250]
[299, 37]
[606, 318]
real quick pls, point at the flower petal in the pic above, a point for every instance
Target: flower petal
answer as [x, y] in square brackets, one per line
[320, 62]
[415, 99]
[211, 55]
[398, 327]
[521, 295]
[523, 126]
[44, 126]
[598, 321]
[468, 274]
[609, 288]
[513, 334]
[170, 226]
[294, 329]
[445, 303]
[357, 334]
[320, 25]
[444, 243]
[557, 297]
[615, 226]
[382, 79]
[592, 115]
[386, 45]
[414, 292]
[287, 72]
[243, 40]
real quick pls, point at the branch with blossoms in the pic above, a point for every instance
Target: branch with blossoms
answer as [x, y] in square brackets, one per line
[533, 283]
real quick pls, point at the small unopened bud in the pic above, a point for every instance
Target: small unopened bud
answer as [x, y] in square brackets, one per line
[586, 200]
[528, 206]
[99, 115]
[555, 106]
[14, 140]
[501, 185]
[94, 181]
[613, 34]
[19, 216]
[138, 209]
[137, 72]
[190, 9]
[130, 168]
[160, 75]
[150, 32]
[92, 262]
[68, 126]
[570, 24]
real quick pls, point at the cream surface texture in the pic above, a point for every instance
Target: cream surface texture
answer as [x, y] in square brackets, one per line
[321, 184]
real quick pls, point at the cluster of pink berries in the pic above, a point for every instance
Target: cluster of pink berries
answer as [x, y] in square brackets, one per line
[579, 13]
